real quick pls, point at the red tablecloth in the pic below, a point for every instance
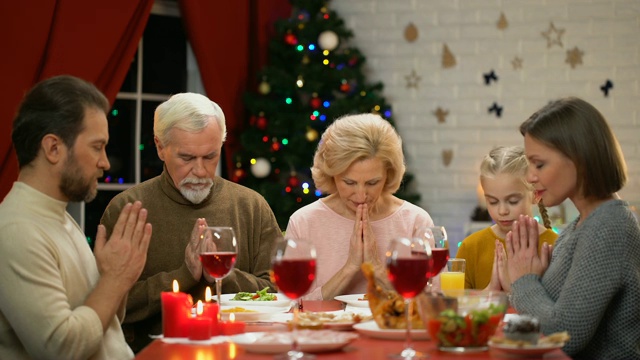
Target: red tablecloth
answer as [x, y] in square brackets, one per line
[364, 348]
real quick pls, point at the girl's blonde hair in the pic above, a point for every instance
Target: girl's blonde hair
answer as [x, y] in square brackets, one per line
[510, 160]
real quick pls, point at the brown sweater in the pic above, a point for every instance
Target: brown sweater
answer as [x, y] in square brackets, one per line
[173, 218]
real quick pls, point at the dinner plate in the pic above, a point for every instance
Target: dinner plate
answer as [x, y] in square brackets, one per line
[353, 300]
[526, 350]
[280, 342]
[282, 301]
[254, 313]
[371, 329]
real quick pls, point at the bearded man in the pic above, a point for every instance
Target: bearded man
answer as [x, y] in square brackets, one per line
[60, 300]
[189, 130]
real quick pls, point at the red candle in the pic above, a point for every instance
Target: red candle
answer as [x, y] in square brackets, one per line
[199, 325]
[212, 310]
[233, 327]
[176, 309]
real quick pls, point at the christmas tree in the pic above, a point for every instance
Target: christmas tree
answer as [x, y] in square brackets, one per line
[313, 77]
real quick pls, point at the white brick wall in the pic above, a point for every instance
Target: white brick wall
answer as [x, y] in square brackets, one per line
[608, 32]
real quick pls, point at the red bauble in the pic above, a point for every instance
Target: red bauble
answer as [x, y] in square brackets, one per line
[261, 123]
[290, 39]
[275, 146]
[238, 175]
[345, 87]
[315, 103]
[293, 181]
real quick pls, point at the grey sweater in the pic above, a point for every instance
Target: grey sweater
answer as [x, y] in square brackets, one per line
[592, 286]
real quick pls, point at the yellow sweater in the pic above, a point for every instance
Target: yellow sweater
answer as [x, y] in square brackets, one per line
[478, 249]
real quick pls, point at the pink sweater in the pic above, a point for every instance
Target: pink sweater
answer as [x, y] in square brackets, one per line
[330, 233]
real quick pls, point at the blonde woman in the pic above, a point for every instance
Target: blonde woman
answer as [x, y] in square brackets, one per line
[360, 164]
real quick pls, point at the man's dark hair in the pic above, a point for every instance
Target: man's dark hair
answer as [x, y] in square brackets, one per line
[54, 106]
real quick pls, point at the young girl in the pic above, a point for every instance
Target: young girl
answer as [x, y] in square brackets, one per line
[503, 179]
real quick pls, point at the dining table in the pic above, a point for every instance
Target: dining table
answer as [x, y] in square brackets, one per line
[363, 347]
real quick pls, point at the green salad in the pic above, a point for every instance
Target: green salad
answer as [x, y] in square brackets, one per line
[261, 295]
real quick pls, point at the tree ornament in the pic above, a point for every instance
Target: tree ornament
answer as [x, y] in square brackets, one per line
[516, 63]
[502, 22]
[413, 80]
[448, 60]
[353, 61]
[553, 36]
[606, 87]
[574, 57]
[441, 114]
[447, 157]
[315, 101]
[345, 87]
[293, 180]
[261, 168]
[264, 88]
[328, 40]
[305, 60]
[411, 32]
[238, 175]
[290, 39]
[261, 122]
[312, 134]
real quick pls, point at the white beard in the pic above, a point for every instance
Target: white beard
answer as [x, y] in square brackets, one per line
[195, 196]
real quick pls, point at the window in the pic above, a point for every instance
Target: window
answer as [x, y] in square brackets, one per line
[163, 65]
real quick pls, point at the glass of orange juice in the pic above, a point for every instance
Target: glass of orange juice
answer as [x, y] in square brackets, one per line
[453, 276]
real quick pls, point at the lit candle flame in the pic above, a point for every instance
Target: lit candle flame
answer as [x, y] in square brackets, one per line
[175, 286]
[199, 308]
[232, 317]
[207, 294]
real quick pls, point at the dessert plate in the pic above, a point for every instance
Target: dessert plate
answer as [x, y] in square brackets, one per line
[525, 350]
[353, 300]
[371, 329]
[311, 341]
[225, 299]
[251, 313]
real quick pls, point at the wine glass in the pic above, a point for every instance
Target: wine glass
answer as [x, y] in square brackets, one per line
[294, 269]
[219, 252]
[436, 237]
[409, 265]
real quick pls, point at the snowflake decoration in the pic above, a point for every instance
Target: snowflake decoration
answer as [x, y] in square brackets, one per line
[574, 57]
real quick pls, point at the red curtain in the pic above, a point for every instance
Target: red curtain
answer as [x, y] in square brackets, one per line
[89, 39]
[97, 40]
[230, 41]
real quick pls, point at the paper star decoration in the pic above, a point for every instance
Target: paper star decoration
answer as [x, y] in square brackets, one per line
[502, 22]
[574, 57]
[495, 108]
[490, 76]
[412, 80]
[441, 114]
[606, 87]
[516, 63]
[553, 36]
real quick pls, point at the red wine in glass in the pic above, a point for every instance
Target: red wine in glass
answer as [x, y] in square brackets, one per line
[440, 257]
[218, 264]
[294, 277]
[293, 266]
[409, 269]
[218, 252]
[410, 275]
